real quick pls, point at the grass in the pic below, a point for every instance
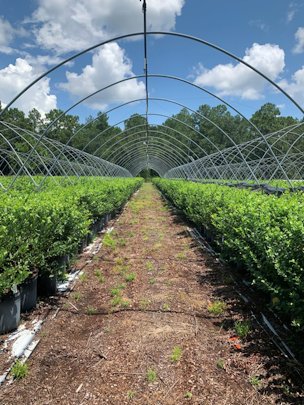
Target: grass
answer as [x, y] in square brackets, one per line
[176, 354]
[91, 310]
[115, 292]
[181, 256]
[217, 307]
[108, 241]
[131, 394]
[116, 301]
[83, 277]
[152, 281]
[149, 265]
[242, 328]
[220, 364]
[130, 277]
[76, 296]
[166, 307]
[151, 375]
[19, 370]
[144, 304]
[255, 381]
[121, 242]
[99, 274]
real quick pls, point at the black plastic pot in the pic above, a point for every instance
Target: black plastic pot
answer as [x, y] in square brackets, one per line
[46, 285]
[9, 312]
[28, 293]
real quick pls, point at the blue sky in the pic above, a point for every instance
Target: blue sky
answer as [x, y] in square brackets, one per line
[37, 34]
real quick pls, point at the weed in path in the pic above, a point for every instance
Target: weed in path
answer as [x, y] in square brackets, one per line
[176, 354]
[166, 307]
[255, 381]
[99, 274]
[131, 394]
[220, 364]
[76, 296]
[217, 307]
[91, 310]
[19, 370]
[188, 395]
[152, 281]
[82, 277]
[242, 328]
[116, 300]
[108, 241]
[151, 375]
[144, 304]
[149, 265]
[115, 292]
[130, 277]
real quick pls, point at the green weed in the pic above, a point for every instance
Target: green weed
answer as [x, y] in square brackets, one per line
[76, 296]
[83, 277]
[176, 354]
[19, 370]
[91, 310]
[151, 375]
[130, 277]
[217, 307]
[255, 381]
[108, 241]
[242, 328]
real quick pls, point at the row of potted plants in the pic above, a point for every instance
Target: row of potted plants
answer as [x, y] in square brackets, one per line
[40, 230]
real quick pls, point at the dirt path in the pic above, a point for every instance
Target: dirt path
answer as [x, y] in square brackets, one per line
[137, 328]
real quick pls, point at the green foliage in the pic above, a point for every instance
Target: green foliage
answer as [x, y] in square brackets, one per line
[217, 307]
[19, 370]
[262, 234]
[130, 277]
[176, 354]
[151, 375]
[242, 328]
[38, 228]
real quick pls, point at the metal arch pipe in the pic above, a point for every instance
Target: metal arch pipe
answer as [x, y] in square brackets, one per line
[155, 163]
[171, 161]
[131, 78]
[159, 76]
[159, 99]
[141, 131]
[155, 149]
[174, 34]
[134, 143]
[174, 160]
[140, 163]
[169, 145]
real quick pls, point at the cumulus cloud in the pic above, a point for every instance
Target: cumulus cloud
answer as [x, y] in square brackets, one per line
[296, 86]
[69, 25]
[299, 35]
[7, 34]
[14, 78]
[109, 65]
[238, 80]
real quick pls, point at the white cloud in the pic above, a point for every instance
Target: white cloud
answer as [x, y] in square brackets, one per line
[14, 78]
[69, 25]
[109, 65]
[238, 80]
[296, 86]
[7, 34]
[299, 35]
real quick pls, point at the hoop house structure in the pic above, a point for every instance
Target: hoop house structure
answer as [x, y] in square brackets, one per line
[183, 150]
